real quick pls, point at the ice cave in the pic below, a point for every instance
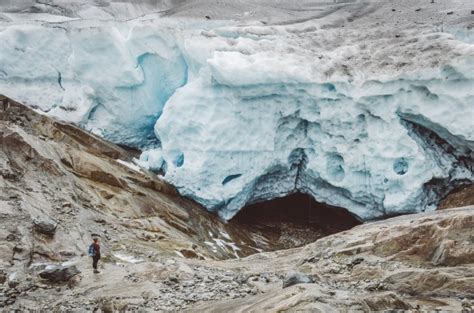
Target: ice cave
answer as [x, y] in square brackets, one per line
[294, 220]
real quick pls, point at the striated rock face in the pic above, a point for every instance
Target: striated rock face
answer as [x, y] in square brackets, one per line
[365, 105]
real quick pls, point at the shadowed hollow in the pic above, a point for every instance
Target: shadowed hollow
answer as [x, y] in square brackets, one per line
[294, 220]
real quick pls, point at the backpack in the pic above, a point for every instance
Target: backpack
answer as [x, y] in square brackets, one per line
[91, 250]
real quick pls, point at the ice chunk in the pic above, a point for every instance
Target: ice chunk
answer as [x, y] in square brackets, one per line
[127, 258]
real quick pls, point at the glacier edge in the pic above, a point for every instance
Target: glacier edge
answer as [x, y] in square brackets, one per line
[235, 115]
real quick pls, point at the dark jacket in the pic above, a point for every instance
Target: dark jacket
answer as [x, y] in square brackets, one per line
[96, 248]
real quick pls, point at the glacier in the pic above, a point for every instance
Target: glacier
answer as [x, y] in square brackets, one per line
[374, 118]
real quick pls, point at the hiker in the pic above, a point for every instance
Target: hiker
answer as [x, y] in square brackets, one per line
[94, 252]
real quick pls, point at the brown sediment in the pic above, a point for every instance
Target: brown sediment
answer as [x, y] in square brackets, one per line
[460, 197]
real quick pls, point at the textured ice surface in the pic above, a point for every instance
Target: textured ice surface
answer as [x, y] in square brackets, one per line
[358, 105]
[113, 80]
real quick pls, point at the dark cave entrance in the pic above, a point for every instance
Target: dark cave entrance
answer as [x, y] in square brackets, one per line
[292, 221]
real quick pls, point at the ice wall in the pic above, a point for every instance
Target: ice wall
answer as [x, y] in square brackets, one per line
[370, 148]
[111, 80]
[233, 115]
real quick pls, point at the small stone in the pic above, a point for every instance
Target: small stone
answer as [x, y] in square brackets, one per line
[14, 280]
[100, 221]
[3, 277]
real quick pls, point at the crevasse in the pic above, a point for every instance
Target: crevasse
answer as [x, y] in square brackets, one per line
[236, 115]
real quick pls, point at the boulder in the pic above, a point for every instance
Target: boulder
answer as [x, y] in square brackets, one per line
[59, 273]
[294, 278]
[45, 226]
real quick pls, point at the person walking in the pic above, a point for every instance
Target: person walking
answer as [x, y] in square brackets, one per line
[94, 252]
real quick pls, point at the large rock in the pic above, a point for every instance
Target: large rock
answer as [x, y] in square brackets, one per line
[45, 226]
[294, 278]
[59, 273]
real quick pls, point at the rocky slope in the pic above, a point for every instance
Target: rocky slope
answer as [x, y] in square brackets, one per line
[60, 184]
[162, 252]
[412, 262]
[56, 176]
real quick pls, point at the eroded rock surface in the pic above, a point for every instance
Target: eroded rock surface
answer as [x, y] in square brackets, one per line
[422, 261]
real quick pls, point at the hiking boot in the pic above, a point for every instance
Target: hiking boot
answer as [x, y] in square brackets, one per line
[96, 272]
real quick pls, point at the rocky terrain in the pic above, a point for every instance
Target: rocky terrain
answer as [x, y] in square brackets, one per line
[163, 252]
[416, 262]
